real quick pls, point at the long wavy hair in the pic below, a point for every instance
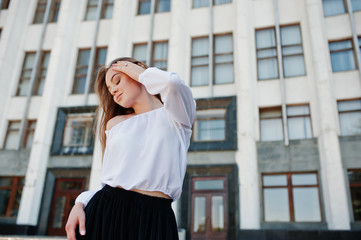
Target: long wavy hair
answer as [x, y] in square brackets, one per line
[107, 108]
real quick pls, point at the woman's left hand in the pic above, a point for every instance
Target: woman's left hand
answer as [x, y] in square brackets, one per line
[131, 69]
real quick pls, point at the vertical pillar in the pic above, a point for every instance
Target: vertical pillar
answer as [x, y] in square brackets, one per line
[54, 91]
[177, 54]
[333, 181]
[246, 156]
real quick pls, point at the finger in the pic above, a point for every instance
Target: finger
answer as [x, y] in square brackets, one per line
[82, 226]
[70, 233]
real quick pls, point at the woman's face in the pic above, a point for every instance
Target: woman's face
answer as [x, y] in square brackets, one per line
[124, 89]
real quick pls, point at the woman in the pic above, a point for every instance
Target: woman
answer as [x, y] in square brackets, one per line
[145, 129]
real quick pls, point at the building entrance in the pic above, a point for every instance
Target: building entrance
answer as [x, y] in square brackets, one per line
[209, 208]
[65, 193]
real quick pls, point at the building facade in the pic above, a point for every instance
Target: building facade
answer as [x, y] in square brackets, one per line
[275, 150]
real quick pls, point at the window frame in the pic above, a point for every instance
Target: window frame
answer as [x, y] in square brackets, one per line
[106, 4]
[289, 188]
[213, 4]
[88, 119]
[298, 116]
[350, 185]
[41, 9]
[39, 78]
[273, 108]
[196, 57]
[268, 48]
[79, 76]
[347, 111]
[210, 117]
[159, 60]
[230, 141]
[5, 4]
[23, 70]
[292, 55]
[156, 7]
[343, 50]
[29, 130]
[222, 54]
[16, 180]
[8, 130]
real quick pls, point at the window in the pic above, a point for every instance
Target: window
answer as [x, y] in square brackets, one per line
[10, 194]
[160, 6]
[215, 125]
[29, 135]
[5, 4]
[271, 124]
[354, 178]
[159, 54]
[350, 117]
[200, 62]
[107, 9]
[25, 74]
[205, 3]
[78, 130]
[100, 59]
[356, 5]
[223, 59]
[40, 11]
[210, 125]
[82, 69]
[73, 133]
[291, 197]
[292, 52]
[342, 56]
[267, 63]
[140, 52]
[299, 122]
[336, 7]
[41, 74]
[333, 7]
[209, 203]
[40, 77]
[12, 135]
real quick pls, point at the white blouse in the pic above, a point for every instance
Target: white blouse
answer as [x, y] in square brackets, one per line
[149, 151]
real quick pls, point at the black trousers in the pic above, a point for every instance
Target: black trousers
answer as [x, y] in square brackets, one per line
[115, 213]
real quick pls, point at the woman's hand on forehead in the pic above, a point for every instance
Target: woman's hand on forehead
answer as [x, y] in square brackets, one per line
[131, 69]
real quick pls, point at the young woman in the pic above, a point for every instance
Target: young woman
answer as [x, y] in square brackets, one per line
[145, 130]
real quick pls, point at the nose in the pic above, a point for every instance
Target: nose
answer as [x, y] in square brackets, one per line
[113, 90]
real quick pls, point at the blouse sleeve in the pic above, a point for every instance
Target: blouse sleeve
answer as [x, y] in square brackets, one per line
[86, 196]
[177, 96]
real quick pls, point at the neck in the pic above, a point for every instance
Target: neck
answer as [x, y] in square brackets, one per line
[146, 103]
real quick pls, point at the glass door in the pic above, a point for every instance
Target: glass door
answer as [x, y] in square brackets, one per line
[66, 191]
[209, 209]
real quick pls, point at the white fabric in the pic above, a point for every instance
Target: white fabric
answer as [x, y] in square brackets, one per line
[149, 151]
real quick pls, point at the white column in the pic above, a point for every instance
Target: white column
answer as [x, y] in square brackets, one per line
[177, 48]
[120, 43]
[333, 181]
[177, 53]
[246, 156]
[54, 91]
[11, 51]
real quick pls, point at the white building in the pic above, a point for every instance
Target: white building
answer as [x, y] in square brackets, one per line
[276, 144]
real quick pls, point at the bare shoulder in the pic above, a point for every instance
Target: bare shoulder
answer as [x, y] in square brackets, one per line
[117, 119]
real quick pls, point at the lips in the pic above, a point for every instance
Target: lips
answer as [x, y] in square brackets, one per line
[118, 97]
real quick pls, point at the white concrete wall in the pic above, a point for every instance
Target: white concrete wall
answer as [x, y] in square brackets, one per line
[320, 87]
